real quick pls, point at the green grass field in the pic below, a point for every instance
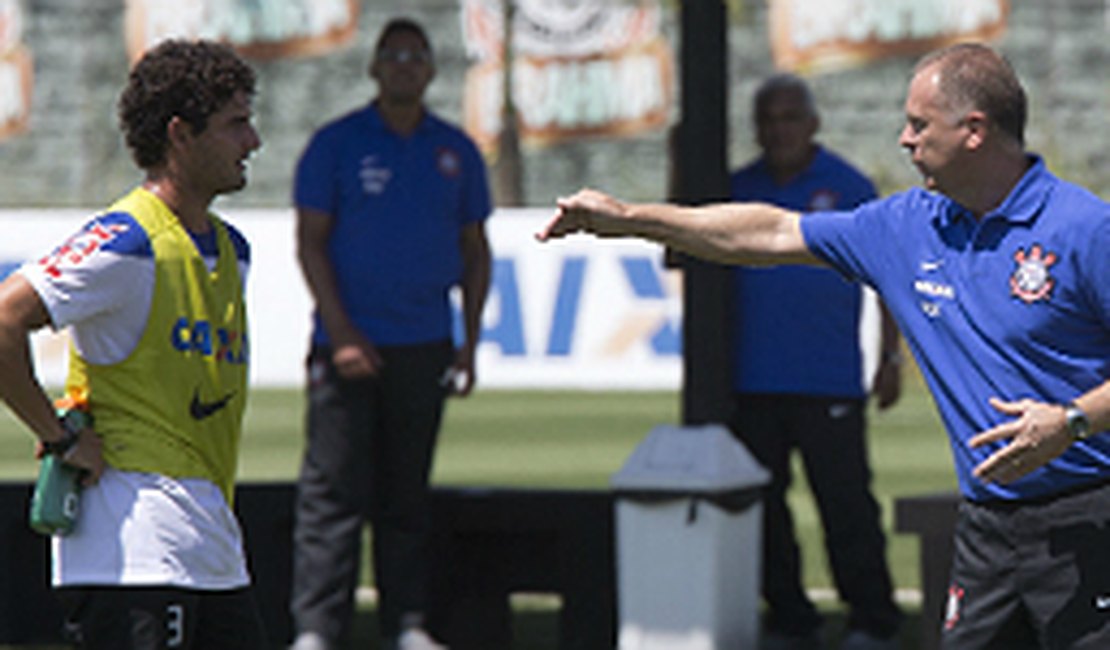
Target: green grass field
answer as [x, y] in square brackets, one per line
[578, 439]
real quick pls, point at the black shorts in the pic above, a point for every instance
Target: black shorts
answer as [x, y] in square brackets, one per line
[1032, 575]
[161, 618]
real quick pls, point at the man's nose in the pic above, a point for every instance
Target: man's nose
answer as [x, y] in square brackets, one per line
[254, 142]
[906, 138]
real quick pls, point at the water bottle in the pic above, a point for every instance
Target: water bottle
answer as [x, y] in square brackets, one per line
[57, 496]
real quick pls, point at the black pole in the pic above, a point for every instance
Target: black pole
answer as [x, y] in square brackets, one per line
[508, 171]
[702, 172]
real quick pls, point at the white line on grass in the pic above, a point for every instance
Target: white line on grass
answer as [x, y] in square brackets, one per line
[908, 597]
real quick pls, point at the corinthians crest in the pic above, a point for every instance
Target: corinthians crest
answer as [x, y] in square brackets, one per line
[1031, 280]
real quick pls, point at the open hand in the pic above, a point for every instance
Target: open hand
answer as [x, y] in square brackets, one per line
[1037, 434]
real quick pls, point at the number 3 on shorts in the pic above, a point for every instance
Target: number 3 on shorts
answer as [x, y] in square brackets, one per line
[175, 625]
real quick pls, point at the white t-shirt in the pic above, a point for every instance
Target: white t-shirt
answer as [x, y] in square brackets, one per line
[134, 528]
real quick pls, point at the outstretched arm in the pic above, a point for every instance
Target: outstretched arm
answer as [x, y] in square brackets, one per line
[729, 233]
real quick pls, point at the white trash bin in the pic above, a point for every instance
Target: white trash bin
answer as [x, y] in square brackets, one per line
[688, 541]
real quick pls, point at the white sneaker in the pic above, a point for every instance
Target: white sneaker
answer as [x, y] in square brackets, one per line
[310, 641]
[415, 638]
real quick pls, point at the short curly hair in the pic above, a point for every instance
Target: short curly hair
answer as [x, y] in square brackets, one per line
[178, 78]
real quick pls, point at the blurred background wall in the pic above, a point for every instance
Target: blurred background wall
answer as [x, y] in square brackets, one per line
[68, 152]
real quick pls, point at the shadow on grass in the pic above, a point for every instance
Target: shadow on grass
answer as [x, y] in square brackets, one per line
[538, 629]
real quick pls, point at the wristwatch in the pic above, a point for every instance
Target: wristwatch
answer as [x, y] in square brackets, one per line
[1077, 423]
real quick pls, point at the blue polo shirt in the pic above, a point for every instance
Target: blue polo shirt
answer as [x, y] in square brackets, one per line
[798, 327]
[399, 204]
[1015, 305]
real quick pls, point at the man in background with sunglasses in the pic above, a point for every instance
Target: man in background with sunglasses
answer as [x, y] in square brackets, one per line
[391, 206]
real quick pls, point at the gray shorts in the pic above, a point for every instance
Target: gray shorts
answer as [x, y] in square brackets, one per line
[1031, 575]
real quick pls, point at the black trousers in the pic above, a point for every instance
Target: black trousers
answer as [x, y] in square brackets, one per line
[368, 459]
[161, 618]
[1031, 575]
[829, 433]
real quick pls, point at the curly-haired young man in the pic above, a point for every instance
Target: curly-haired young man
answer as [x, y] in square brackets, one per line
[151, 291]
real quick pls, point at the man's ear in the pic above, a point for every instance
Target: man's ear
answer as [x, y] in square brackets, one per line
[178, 131]
[977, 125]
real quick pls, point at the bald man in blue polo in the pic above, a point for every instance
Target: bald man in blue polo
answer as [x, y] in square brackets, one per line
[998, 274]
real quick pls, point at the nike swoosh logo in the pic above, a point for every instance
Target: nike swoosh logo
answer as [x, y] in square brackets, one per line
[201, 410]
[931, 265]
[1102, 603]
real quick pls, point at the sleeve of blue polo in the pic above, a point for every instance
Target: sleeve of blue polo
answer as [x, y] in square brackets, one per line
[314, 184]
[477, 204]
[1099, 263]
[828, 235]
[854, 242]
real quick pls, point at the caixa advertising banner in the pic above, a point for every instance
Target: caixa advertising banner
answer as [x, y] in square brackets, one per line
[574, 313]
